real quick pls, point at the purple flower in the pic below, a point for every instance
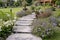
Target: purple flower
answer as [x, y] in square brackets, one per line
[53, 19]
[54, 24]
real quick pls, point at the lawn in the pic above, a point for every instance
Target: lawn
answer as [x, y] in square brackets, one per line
[14, 10]
[6, 14]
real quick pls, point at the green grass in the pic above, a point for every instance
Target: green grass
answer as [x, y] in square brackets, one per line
[4, 12]
[14, 10]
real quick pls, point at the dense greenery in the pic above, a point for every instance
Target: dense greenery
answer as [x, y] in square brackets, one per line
[48, 28]
[58, 2]
[7, 19]
[29, 2]
[12, 3]
[6, 31]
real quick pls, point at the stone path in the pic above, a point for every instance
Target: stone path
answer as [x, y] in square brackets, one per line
[23, 28]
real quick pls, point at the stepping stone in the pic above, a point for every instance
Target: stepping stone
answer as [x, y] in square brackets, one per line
[25, 19]
[31, 16]
[23, 23]
[22, 28]
[23, 37]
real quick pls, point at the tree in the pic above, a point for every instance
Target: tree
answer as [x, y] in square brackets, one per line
[10, 2]
[29, 2]
[0, 3]
[19, 2]
[58, 2]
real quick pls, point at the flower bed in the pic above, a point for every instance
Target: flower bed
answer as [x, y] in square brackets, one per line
[48, 28]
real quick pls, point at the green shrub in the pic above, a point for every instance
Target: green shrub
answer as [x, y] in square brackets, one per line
[32, 8]
[6, 31]
[58, 2]
[29, 2]
[57, 13]
[43, 28]
[53, 9]
[44, 32]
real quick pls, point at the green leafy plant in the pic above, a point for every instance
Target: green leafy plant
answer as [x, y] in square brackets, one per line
[5, 16]
[6, 31]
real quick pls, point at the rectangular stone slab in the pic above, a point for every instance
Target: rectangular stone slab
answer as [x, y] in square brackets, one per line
[22, 28]
[23, 22]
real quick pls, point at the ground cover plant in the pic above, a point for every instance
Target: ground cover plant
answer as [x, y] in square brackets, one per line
[48, 28]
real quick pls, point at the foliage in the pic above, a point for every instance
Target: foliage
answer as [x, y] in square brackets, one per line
[56, 13]
[32, 8]
[45, 30]
[10, 3]
[48, 28]
[53, 9]
[6, 15]
[1, 4]
[18, 3]
[56, 35]
[6, 23]
[58, 2]
[29, 2]
[6, 31]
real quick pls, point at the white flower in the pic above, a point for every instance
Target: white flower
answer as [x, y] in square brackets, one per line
[14, 20]
[5, 23]
[8, 23]
[15, 17]
[43, 35]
